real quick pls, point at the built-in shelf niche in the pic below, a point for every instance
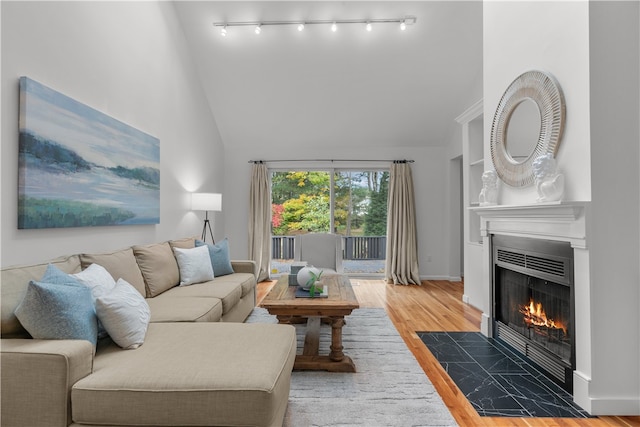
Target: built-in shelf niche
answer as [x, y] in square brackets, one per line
[472, 132]
[473, 147]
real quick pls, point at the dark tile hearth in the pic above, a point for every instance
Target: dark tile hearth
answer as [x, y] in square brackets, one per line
[496, 380]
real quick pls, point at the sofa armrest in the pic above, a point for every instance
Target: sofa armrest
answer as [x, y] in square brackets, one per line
[244, 266]
[37, 376]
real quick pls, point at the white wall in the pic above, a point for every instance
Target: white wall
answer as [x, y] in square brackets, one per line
[130, 61]
[614, 245]
[515, 41]
[429, 175]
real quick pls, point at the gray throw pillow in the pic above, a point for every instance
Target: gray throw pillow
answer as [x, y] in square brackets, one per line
[219, 254]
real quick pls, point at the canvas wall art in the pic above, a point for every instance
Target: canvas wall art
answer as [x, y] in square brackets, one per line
[79, 167]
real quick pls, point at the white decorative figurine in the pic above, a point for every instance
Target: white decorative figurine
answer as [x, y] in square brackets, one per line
[489, 193]
[549, 183]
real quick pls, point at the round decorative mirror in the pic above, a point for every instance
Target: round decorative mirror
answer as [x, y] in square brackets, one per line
[528, 122]
[523, 130]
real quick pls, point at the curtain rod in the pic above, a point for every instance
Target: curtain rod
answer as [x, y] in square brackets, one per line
[329, 160]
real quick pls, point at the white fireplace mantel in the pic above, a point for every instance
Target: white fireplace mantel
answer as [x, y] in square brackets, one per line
[558, 221]
[561, 221]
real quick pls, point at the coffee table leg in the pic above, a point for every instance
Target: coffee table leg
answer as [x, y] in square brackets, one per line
[312, 337]
[336, 361]
[284, 319]
[336, 339]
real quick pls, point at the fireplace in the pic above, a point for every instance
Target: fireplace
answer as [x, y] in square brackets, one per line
[534, 302]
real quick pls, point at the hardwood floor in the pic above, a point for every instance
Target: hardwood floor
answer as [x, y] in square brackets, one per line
[437, 306]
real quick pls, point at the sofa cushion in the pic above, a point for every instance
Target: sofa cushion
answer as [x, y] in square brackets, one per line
[15, 280]
[59, 310]
[194, 265]
[120, 264]
[186, 243]
[125, 315]
[158, 266]
[220, 258]
[246, 281]
[208, 374]
[166, 308]
[228, 292]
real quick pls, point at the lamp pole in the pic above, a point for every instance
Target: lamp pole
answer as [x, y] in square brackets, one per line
[207, 224]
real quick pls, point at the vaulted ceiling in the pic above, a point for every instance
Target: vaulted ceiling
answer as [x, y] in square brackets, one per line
[349, 88]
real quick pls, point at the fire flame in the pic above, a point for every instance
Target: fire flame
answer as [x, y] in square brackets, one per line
[534, 315]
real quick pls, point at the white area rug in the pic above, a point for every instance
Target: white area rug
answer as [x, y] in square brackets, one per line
[388, 389]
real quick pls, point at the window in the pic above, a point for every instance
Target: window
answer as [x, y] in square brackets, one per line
[352, 203]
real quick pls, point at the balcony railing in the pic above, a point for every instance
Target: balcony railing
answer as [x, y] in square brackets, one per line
[282, 247]
[353, 247]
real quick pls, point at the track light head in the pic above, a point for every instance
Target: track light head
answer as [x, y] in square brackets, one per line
[258, 29]
[369, 27]
[301, 26]
[223, 31]
[334, 27]
[403, 25]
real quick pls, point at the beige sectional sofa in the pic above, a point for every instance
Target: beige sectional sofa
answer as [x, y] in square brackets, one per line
[198, 365]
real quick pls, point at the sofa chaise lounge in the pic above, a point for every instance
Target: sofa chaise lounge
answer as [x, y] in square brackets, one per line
[198, 365]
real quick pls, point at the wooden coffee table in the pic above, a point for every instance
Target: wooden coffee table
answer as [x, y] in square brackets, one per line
[341, 301]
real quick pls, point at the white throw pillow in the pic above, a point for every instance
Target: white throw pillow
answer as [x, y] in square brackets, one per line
[125, 315]
[100, 281]
[194, 264]
[96, 278]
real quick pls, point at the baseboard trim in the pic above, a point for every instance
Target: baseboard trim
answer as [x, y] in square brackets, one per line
[619, 405]
[581, 384]
[485, 325]
[449, 278]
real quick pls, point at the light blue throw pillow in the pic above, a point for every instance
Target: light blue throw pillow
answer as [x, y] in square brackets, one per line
[56, 276]
[58, 307]
[219, 254]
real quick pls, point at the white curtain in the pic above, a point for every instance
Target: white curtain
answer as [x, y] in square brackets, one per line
[260, 220]
[401, 267]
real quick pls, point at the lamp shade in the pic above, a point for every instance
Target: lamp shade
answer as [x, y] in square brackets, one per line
[206, 201]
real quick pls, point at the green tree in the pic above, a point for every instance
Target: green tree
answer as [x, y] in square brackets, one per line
[291, 185]
[304, 200]
[305, 214]
[375, 222]
[316, 218]
[350, 193]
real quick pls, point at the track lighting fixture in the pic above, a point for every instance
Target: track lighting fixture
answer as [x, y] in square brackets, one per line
[403, 21]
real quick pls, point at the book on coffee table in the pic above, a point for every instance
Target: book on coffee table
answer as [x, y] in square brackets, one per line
[301, 293]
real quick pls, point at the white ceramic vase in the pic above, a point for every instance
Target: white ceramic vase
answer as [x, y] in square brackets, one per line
[305, 277]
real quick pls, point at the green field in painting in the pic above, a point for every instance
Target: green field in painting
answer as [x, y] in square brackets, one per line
[55, 213]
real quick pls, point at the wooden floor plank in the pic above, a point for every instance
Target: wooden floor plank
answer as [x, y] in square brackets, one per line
[437, 306]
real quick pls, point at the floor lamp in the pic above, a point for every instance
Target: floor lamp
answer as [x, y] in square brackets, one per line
[206, 202]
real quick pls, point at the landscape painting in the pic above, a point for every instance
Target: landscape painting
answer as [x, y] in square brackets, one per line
[79, 167]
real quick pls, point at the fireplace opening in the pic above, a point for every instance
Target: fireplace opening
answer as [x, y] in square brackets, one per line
[533, 303]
